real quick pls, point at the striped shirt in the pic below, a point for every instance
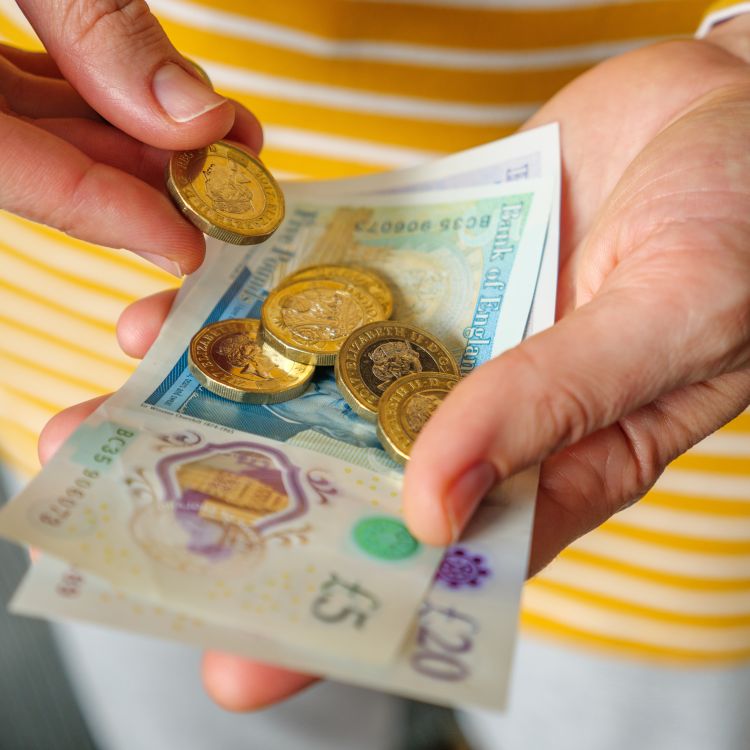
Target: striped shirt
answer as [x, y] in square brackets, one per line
[347, 87]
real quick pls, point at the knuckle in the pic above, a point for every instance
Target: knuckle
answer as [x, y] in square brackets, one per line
[66, 216]
[648, 454]
[567, 413]
[637, 476]
[87, 20]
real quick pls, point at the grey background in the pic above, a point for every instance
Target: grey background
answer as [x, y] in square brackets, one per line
[37, 707]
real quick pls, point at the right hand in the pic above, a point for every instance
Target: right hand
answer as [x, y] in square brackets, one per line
[86, 130]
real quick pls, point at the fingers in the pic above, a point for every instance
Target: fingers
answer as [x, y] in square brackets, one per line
[37, 63]
[238, 684]
[246, 129]
[46, 179]
[582, 486]
[62, 425]
[116, 55]
[140, 323]
[596, 365]
[31, 95]
[107, 145]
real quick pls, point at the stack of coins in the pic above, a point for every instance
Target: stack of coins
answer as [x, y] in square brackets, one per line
[230, 358]
[389, 372]
[304, 323]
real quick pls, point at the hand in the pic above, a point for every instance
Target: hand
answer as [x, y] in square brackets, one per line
[651, 350]
[86, 130]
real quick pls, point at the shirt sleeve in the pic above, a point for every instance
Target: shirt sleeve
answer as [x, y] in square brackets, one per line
[720, 11]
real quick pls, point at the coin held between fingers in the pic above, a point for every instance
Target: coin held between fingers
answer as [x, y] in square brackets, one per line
[226, 192]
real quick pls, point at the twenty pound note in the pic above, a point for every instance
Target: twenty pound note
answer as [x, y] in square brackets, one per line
[281, 524]
[458, 650]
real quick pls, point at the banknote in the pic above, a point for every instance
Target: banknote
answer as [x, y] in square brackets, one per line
[530, 154]
[457, 653]
[471, 286]
[170, 523]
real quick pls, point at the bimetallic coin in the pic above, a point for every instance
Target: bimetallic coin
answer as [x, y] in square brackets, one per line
[230, 359]
[308, 321]
[226, 192]
[378, 354]
[405, 408]
[361, 277]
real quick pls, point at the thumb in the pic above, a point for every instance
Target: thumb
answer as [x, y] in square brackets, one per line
[117, 56]
[601, 362]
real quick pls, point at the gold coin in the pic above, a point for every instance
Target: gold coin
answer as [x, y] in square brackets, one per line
[377, 354]
[230, 359]
[405, 408]
[308, 321]
[226, 192]
[361, 277]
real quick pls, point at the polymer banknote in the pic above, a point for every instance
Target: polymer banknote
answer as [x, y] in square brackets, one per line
[457, 652]
[435, 247]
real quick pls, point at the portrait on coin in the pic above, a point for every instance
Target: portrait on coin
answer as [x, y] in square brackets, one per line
[245, 354]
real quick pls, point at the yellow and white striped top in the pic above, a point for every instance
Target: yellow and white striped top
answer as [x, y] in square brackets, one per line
[352, 86]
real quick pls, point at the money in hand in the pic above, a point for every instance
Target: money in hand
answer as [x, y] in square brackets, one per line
[278, 525]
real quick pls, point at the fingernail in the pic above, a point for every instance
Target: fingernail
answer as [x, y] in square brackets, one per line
[182, 96]
[170, 266]
[467, 492]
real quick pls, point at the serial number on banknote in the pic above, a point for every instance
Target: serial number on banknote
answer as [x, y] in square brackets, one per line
[427, 225]
[104, 452]
[60, 509]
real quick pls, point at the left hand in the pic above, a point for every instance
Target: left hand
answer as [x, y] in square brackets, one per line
[652, 349]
